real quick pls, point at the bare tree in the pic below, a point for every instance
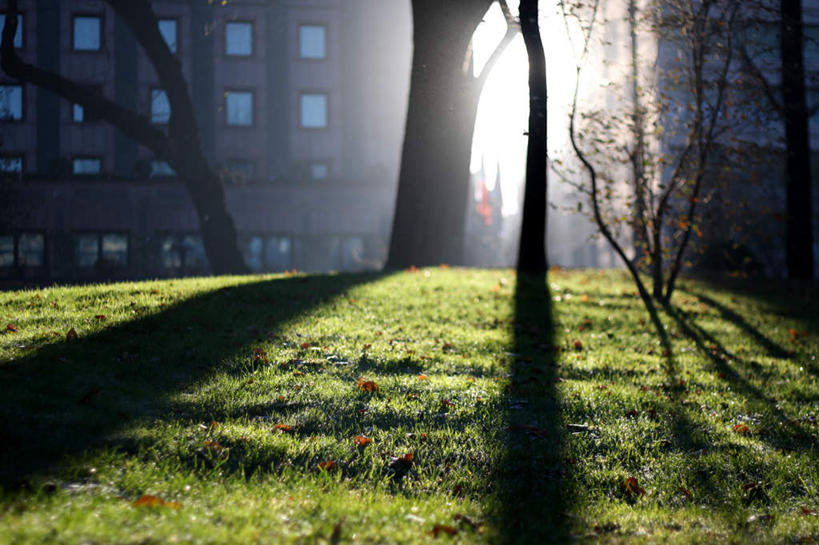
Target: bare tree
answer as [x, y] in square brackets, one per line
[180, 146]
[433, 183]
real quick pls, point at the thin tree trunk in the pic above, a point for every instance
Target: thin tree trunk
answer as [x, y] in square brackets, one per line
[532, 251]
[798, 226]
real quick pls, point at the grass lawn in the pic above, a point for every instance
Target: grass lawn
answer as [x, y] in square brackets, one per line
[443, 405]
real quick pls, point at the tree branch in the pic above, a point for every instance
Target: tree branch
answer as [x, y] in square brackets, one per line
[512, 29]
[133, 124]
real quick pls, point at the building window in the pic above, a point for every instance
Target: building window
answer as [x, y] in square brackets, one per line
[183, 252]
[84, 166]
[161, 169]
[18, 34]
[22, 250]
[77, 114]
[87, 33]
[11, 102]
[319, 171]
[101, 249]
[277, 255]
[313, 111]
[168, 30]
[239, 108]
[313, 41]
[11, 164]
[160, 107]
[239, 39]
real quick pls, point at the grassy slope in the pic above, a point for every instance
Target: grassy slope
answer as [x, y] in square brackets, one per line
[512, 424]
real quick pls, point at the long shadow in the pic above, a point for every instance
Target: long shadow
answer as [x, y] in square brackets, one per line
[72, 396]
[531, 480]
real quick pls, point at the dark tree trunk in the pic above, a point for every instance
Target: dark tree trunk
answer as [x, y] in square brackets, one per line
[532, 253]
[433, 184]
[180, 146]
[798, 226]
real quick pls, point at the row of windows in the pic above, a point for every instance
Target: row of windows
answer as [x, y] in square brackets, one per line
[176, 251]
[87, 36]
[238, 106]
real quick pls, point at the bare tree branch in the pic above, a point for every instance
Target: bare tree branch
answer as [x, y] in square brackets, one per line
[512, 29]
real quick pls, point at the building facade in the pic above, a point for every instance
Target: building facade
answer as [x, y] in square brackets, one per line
[300, 105]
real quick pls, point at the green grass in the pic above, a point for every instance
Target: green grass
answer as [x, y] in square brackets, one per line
[525, 413]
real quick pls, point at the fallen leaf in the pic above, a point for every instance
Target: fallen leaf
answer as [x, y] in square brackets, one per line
[283, 427]
[155, 501]
[447, 403]
[214, 446]
[362, 440]
[443, 529]
[327, 466]
[100, 317]
[578, 345]
[71, 335]
[305, 346]
[213, 425]
[808, 512]
[298, 374]
[367, 385]
[631, 487]
[685, 492]
[423, 377]
[742, 428]
[11, 327]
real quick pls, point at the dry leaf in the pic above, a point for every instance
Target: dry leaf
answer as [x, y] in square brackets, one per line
[100, 317]
[367, 385]
[71, 335]
[443, 529]
[283, 428]
[447, 403]
[578, 345]
[685, 492]
[808, 512]
[423, 377]
[11, 327]
[155, 501]
[362, 440]
[327, 466]
[631, 487]
[742, 428]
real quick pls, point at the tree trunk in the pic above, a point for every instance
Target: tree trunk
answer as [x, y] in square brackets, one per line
[532, 252]
[433, 184]
[798, 226]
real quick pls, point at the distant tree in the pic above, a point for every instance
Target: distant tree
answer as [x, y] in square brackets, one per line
[433, 183]
[180, 145]
[681, 121]
[532, 253]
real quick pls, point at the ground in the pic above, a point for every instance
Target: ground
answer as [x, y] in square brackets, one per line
[458, 406]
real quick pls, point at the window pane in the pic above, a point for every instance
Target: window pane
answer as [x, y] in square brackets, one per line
[277, 253]
[193, 252]
[314, 111]
[86, 250]
[115, 250]
[78, 114]
[6, 251]
[319, 171]
[170, 253]
[312, 42]
[253, 254]
[239, 39]
[239, 106]
[87, 35]
[86, 166]
[11, 102]
[11, 164]
[161, 169]
[31, 249]
[160, 106]
[167, 27]
[18, 35]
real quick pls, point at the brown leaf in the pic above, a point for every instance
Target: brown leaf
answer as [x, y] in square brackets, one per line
[362, 440]
[808, 512]
[155, 501]
[71, 335]
[443, 529]
[213, 425]
[100, 317]
[305, 346]
[685, 492]
[11, 327]
[283, 428]
[328, 465]
[423, 377]
[631, 487]
[578, 345]
[447, 403]
[742, 428]
[367, 385]
[214, 446]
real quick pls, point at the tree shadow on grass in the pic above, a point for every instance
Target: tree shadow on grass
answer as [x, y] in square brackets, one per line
[69, 397]
[531, 490]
